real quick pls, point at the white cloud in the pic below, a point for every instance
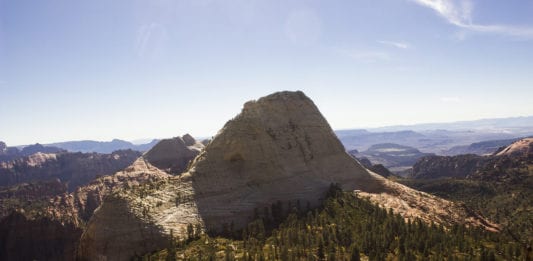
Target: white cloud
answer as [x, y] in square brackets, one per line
[450, 99]
[459, 13]
[401, 45]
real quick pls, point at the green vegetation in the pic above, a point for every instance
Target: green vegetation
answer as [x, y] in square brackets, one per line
[502, 194]
[345, 228]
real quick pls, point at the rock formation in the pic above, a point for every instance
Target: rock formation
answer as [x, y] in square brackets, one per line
[173, 155]
[523, 147]
[3, 147]
[279, 148]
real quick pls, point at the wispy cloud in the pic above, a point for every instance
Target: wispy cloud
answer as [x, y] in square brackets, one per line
[459, 13]
[450, 99]
[400, 45]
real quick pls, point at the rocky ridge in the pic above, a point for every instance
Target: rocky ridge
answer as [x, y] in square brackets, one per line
[73, 169]
[491, 167]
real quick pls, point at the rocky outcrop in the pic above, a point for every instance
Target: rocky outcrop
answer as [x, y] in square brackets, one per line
[173, 155]
[279, 148]
[523, 147]
[3, 147]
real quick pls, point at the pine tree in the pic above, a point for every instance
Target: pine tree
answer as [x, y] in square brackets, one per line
[355, 256]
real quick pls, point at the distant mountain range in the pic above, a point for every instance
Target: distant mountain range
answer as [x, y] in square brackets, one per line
[102, 146]
[515, 125]
[477, 137]
[443, 138]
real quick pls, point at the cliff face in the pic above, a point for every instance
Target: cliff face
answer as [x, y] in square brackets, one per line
[279, 148]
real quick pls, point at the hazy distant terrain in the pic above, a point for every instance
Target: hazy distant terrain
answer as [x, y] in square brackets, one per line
[102, 146]
[393, 156]
[440, 138]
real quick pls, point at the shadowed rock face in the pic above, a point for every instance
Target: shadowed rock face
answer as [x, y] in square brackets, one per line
[279, 148]
[173, 155]
[37, 239]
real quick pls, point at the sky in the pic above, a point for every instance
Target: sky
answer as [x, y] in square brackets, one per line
[132, 69]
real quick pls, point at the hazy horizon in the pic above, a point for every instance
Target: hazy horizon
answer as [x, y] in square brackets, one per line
[145, 140]
[138, 69]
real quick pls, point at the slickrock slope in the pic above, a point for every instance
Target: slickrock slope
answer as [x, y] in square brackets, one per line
[411, 204]
[137, 221]
[279, 148]
[173, 155]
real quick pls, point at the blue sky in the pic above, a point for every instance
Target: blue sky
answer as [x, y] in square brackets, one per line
[134, 69]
